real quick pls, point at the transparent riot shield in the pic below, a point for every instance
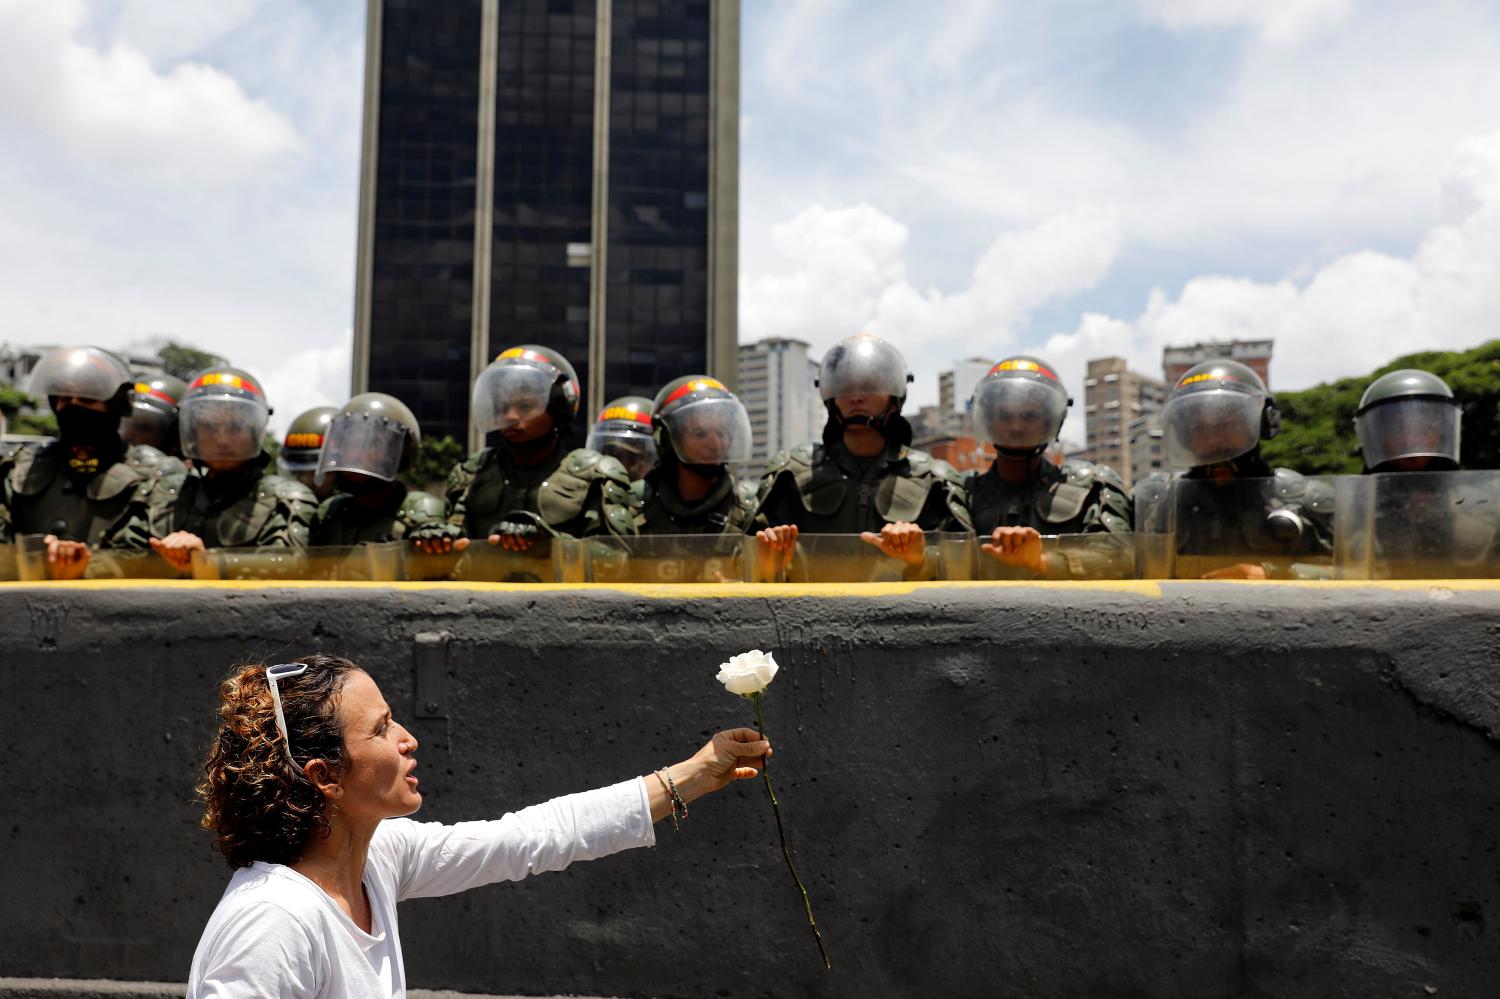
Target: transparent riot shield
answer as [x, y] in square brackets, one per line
[1276, 527]
[330, 563]
[844, 558]
[667, 558]
[10, 570]
[545, 560]
[31, 558]
[1418, 525]
[1053, 557]
[119, 564]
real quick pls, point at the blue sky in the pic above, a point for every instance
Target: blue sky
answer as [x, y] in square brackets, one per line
[1076, 178]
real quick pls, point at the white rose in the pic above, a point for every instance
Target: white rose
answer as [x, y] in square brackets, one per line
[748, 673]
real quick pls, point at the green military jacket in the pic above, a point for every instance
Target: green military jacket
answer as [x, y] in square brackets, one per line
[245, 509]
[342, 520]
[39, 495]
[1078, 498]
[729, 508]
[576, 494]
[153, 460]
[826, 490]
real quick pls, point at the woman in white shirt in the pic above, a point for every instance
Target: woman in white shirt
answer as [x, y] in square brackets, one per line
[305, 786]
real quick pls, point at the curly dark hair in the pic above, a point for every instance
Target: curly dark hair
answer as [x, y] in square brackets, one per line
[258, 805]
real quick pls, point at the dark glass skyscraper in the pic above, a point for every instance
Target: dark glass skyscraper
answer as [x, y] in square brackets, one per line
[562, 172]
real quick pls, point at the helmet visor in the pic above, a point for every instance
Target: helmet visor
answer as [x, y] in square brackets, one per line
[633, 448]
[507, 395]
[1205, 428]
[146, 424]
[1409, 428]
[298, 459]
[1018, 412]
[709, 431]
[82, 372]
[862, 366]
[362, 443]
[220, 429]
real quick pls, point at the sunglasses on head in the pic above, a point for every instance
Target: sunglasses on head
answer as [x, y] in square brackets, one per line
[275, 674]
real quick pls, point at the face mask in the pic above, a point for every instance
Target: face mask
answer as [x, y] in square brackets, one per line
[91, 439]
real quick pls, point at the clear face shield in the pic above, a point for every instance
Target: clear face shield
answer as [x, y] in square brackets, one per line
[862, 366]
[1018, 412]
[297, 460]
[364, 444]
[82, 372]
[146, 424]
[633, 447]
[710, 432]
[507, 395]
[1411, 427]
[1212, 426]
[218, 429]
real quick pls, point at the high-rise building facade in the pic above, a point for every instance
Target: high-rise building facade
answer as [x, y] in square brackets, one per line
[777, 386]
[1254, 354]
[956, 390]
[1114, 397]
[562, 172]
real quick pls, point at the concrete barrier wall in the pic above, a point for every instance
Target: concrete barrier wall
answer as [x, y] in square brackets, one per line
[1182, 789]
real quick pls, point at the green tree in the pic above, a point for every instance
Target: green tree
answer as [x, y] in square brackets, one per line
[1317, 424]
[39, 423]
[435, 459]
[183, 361]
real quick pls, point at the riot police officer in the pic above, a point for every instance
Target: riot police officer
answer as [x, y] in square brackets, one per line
[227, 498]
[1408, 421]
[150, 431]
[303, 446]
[1019, 408]
[702, 427]
[624, 431]
[76, 490]
[1229, 505]
[527, 485]
[370, 441]
[864, 477]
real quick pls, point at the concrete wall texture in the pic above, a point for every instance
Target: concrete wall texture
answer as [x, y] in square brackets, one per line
[1135, 789]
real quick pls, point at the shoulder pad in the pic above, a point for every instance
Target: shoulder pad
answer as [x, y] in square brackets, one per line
[288, 490]
[420, 506]
[920, 462]
[1290, 485]
[746, 493]
[1152, 489]
[581, 461]
[472, 463]
[947, 472]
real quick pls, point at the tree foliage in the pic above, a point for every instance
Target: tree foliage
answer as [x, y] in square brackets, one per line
[38, 422]
[1317, 424]
[435, 459]
[183, 361]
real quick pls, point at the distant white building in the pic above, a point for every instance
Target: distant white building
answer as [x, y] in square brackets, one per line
[956, 391]
[776, 384]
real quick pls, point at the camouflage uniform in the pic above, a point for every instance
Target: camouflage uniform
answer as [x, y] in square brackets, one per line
[575, 494]
[825, 490]
[729, 508]
[243, 508]
[153, 460]
[342, 520]
[40, 494]
[1078, 498]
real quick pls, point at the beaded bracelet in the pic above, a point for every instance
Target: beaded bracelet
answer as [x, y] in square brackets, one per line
[675, 804]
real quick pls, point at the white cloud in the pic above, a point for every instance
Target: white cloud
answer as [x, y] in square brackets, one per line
[1281, 22]
[316, 376]
[109, 106]
[847, 272]
[1355, 313]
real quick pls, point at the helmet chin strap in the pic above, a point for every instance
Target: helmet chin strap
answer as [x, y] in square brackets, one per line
[1022, 453]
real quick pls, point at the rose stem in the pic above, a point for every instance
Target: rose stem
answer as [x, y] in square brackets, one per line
[765, 773]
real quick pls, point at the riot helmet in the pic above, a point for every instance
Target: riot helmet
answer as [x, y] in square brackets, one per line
[223, 416]
[1217, 411]
[373, 434]
[153, 411]
[1020, 405]
[864, 364]
[83, 373]
[522, 381]
[1408, 414]
[705, 423]
[623, 431]
[303, 444]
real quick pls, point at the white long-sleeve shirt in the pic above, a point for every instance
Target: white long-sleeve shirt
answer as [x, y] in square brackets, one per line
[275, 933]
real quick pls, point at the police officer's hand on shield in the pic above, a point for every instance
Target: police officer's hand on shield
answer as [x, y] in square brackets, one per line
[66, 559]
[1017, 546]
[902, 540]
